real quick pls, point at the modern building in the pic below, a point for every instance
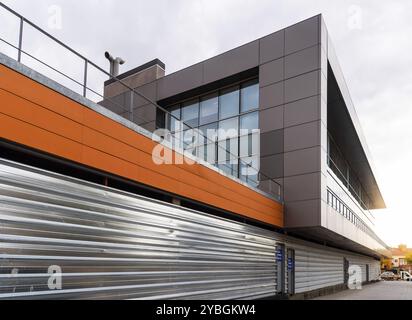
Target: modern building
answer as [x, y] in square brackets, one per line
[282, 207]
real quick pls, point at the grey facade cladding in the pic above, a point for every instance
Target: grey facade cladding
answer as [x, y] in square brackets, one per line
[292, 66]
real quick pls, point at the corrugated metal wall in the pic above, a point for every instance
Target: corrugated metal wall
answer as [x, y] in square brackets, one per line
[374, 267]
[317, 268]
[114, 245]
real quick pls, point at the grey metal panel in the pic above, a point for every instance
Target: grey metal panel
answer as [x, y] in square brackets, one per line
[302, 136]
[271, 96]
[111, 244]
[362, 262]
[271, 119]
[302, 213]
[272, 165]
[317, 269]
[302, 187]
[232, 62]
[271, 72]
[271, 143]
[302, 86]
[180, 81]
[302, 111]
[302, 62]
[302, 35]
[272, 46]
[302, 161]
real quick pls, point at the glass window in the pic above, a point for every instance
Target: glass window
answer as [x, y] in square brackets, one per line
[249, 122]
[228, 128]
[209, 108]
[249, 170]
[229, 102]
[230, 167]
[208, 133]
[228, 150]
[174, 117]
[217, 120]
[190, 113]
[190, 139]
[249, 96]
[208, 153]
[249, 145]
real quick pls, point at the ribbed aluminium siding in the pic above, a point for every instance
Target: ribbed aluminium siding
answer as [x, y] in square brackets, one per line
[111, 244]
[374, 267]
[114, 245]
[317, 268]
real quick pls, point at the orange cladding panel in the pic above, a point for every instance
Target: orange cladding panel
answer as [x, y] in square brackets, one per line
[38, 117]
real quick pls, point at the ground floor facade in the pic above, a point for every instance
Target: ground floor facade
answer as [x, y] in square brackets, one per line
[384, 290]
[110, 244]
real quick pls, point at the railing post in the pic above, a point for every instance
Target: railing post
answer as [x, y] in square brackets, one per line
[85, 78]
[20, 40]
[131, 105]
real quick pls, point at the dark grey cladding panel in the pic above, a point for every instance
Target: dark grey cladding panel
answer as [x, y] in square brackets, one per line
[148, 91]
[150, 126]
[302, 214]
[302, 35]
[271, 72]
[118, 104]
[272, 166]
[302, 136]
[144, 114]
[302, 62]
[271, 143]
[272, 46]
[303, 86]
[184, 80]
[302, 161]
[271, 119]
[232, 62]
[213, 86]
[302, 187]
[302, 111]
[272, 96]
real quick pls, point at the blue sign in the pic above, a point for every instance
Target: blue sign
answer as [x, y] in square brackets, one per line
[290, 264]
[279, 255]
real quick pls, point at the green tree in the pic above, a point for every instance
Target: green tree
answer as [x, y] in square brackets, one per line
[408, 258]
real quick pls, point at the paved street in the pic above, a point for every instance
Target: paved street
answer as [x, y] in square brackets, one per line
[384, 290]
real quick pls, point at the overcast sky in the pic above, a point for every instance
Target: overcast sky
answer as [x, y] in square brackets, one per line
[372, 39]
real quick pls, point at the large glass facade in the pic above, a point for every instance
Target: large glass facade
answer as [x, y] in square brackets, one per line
[226, 124]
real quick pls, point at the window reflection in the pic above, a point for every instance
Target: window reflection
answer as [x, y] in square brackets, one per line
[190, 113]
[226, 132]
[250, 96]
[209, 109]
[229, 102]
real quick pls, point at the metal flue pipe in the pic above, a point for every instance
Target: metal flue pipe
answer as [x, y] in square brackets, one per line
[114, 64]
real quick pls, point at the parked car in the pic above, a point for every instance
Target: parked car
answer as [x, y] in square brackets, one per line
[405, 275]
[388, 276]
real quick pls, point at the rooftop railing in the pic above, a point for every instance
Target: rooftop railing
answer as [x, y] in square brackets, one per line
[34, 47]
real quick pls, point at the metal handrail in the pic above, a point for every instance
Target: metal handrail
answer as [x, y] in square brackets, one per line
[348, 185]
[88, 63]
[346, 181]
[366, 228]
